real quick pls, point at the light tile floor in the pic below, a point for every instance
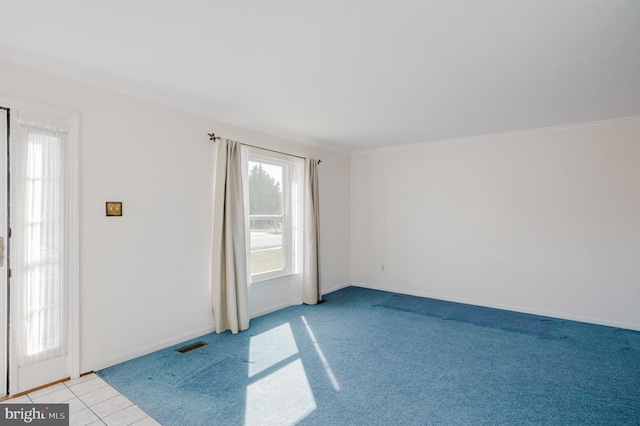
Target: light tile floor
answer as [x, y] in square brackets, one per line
[92, 401]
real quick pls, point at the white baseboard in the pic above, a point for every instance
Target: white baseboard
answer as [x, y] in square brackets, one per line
[578, 318]
[99, 365]
[270, 309]
[335, 288]
[294, 301]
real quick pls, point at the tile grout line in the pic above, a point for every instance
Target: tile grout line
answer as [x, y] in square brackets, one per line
[119, 394]
[87, 405]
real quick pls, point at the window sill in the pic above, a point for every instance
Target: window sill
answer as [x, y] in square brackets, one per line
[271, 281]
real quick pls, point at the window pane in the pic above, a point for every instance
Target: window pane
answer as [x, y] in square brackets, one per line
[43, 283]
[266, 251]
[265, 189]
[266, 220]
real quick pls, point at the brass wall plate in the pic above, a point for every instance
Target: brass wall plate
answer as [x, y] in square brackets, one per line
[114, 208]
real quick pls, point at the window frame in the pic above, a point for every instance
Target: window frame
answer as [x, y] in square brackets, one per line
[290, 211]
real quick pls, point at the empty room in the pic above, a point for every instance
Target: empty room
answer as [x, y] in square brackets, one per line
[320, 213]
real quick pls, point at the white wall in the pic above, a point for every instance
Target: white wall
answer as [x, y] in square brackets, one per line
[539, 223]
[144, 276]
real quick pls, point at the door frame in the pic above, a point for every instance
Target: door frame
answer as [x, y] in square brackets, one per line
[4, 269]
[72, 122]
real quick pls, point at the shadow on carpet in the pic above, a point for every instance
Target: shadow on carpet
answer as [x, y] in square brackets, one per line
[534, 325]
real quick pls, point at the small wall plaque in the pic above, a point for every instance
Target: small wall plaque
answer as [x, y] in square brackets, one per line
[114, 208]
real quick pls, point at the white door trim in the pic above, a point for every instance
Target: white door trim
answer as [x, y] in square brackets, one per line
[74, 247]
[4, 303]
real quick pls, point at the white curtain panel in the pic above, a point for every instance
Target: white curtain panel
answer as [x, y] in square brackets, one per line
[311, 291]
[40, 248]
[229, 275]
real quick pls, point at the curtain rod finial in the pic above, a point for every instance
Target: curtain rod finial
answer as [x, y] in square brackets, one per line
[213, 137]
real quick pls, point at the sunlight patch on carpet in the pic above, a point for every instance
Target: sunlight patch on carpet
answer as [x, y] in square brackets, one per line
[323, 359]
[271, 347]
[282, 397]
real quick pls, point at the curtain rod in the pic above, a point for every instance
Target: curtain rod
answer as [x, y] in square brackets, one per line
[213, 137]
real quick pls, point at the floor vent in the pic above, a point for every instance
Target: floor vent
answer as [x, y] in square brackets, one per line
[191, 347]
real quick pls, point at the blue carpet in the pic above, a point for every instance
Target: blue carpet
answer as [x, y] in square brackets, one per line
[372, 357]
[541, 327]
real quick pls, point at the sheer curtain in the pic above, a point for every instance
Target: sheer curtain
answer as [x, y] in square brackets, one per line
[311, 291]
[229, 275]
[40, 248]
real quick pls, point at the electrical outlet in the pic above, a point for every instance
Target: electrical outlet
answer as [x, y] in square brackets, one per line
[382, 268]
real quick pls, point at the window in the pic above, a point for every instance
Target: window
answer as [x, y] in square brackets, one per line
[44, 227]
[273, 183]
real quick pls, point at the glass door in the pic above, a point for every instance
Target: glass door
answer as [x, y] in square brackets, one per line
[39, 211]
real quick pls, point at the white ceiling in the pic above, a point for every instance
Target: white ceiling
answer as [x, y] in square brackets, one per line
[351, 75]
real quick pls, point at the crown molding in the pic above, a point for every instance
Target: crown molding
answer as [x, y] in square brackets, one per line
[49, 66]
[569, 128]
